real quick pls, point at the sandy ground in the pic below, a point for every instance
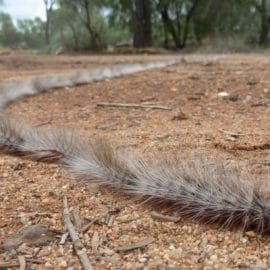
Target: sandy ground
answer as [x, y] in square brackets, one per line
[234, 129]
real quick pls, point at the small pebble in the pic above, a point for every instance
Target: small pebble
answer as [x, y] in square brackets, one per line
[250, 233]
[47, 265]
[63, 264]
[214, 258]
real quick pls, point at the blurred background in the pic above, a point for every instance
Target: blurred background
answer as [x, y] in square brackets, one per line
[127, 26]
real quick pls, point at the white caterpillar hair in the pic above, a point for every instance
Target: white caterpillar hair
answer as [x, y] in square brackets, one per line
[12, 91]
[198, 190]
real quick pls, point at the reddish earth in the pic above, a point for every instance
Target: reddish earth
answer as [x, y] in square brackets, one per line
[234, 129]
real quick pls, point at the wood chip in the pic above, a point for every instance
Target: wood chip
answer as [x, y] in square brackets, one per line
[95, 242]
[110, 222]
[63, 238]
[22, 262]
[179, 116]
[77, 219]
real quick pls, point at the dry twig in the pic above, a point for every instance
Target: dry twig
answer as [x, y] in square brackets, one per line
[14, 263]
[162, 217]
[233, 134]
[49, 122]
[133, 105]
[140, 244]
[88, 225]
[78, 245]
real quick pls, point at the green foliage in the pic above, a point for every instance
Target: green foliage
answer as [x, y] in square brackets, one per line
[176, 17]
[9, 35]
[32, 33]
[97, 24]
[89, 16]
[118, 12]
[118, 19]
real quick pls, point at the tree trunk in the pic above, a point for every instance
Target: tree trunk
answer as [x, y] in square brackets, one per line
[141, 23]
[168, 24]
[75, 36]
[166, 39]
[188, 19]
[49, 7]
[95, 38]
[47, 35]
[264, 24]
[179, 32]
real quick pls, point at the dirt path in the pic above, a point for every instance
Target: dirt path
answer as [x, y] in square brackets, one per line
[234, 128]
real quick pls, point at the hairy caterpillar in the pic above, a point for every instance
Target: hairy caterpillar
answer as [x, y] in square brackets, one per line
[197, 190]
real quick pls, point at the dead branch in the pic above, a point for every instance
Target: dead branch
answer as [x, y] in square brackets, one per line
[78, 245]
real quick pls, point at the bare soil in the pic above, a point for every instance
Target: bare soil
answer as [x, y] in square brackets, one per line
[234, 129]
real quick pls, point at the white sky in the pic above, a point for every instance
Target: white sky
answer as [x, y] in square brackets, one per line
[24, 9]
